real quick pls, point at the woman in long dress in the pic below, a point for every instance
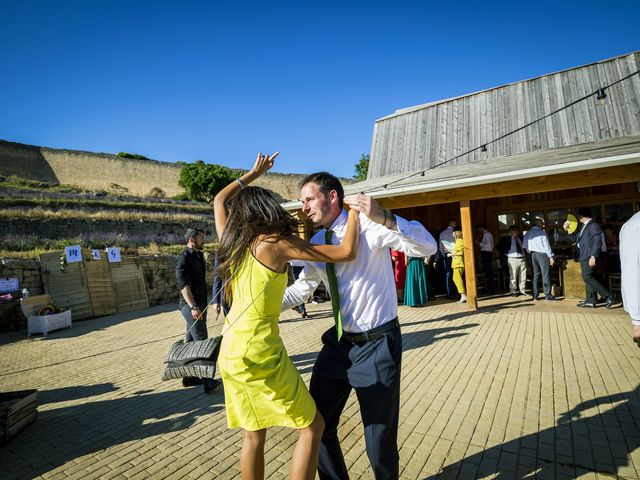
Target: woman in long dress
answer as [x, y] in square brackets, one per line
[415, 290]
[262, 386]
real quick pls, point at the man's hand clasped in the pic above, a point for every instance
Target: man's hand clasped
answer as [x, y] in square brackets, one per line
[370, 208]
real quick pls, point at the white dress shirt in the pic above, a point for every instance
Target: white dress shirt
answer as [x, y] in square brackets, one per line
[630, 263]
[366, 285]
[447, 236]
[513, 251]
[486, 245]
[536, 240]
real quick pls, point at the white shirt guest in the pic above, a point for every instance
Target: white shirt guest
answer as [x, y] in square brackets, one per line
[630, 265]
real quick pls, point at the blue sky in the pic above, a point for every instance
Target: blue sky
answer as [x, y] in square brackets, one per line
[221, 80]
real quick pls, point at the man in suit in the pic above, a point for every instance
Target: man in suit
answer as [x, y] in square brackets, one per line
[588, 240]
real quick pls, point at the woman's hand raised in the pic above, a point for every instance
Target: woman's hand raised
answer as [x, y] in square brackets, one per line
[263, 163]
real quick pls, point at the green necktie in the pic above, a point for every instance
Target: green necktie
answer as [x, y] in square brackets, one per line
[333, 288]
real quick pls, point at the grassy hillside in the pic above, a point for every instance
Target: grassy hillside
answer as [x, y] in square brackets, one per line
[37, 217]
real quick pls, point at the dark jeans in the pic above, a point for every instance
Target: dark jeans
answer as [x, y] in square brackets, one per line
[487, 266]
[196, 330]
[592, 286]
[541, 267]
[373, 370]
[448, 277]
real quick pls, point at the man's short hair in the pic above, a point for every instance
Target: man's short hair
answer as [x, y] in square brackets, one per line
[584, 212]
[481, 225]
[514, 227]
[326, 182]
[192, 232]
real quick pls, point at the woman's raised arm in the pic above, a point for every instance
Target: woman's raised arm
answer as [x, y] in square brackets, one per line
[296, 248]
[262, 165]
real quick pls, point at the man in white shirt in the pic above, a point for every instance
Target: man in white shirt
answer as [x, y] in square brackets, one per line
[367, 357]
[486, 256]
[512, 248]
[630, 263]
[446, 238]
[537, 243]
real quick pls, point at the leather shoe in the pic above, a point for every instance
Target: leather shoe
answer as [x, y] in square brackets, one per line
[549, 297]
[586, 305]
[191, 381]
[609, 301]
[210, 385]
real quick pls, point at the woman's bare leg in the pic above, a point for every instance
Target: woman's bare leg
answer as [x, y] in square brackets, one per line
[252, 455]
[305, 454]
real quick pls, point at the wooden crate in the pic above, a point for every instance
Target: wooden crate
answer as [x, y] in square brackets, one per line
[17, 410]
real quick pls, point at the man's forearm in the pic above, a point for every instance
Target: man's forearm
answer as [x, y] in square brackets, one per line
[188, 296]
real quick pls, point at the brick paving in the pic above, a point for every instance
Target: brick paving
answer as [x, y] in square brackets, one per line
[515, 390]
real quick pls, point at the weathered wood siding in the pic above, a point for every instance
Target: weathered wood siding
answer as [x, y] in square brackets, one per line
[421, 138]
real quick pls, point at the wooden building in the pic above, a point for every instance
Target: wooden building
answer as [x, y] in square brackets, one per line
[536, 148]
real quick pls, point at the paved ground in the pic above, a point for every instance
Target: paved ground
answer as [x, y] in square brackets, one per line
[511, 391]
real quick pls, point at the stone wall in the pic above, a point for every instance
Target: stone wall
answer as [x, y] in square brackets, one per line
[158, 272]
[160, 278]
[97, 171]
[29, 276]
[133, 232]
[27, 272]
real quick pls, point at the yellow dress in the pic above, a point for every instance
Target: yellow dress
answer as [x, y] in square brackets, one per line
[262, 387]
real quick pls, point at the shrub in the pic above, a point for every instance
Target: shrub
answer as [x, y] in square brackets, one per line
[157, 192]
[132, 155]
[202, 181]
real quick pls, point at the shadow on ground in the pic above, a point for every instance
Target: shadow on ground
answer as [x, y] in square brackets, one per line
[61, 435]
[88, 325]
[576, 446]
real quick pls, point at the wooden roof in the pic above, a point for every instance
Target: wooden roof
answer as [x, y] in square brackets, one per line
[596, 163]
[425, 136]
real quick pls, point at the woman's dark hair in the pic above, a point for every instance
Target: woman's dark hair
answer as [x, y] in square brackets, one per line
[253, 211]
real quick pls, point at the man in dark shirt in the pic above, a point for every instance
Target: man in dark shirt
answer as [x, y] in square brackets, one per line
[190, 280]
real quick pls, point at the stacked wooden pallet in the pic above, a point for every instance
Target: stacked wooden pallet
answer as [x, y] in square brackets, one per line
[17, 410]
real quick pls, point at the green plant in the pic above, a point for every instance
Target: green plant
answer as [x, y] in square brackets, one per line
[202, 181]
[132, 155]
[362, 168]
[157, 192]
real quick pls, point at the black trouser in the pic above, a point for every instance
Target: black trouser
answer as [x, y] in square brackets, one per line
[373, 369]
[592, 286]
[448, 277]
[541, 267]
[487, 266]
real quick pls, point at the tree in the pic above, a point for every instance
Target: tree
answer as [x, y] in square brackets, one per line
[202, 181]
[132, 155]
[362, 167]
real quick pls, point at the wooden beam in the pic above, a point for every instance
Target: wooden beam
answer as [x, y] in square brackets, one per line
[469, 255]
[548, 183]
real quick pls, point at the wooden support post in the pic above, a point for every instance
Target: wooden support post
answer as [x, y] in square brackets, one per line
[469, 255]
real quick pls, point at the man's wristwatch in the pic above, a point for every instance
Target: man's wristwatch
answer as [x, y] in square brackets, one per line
[195, 307]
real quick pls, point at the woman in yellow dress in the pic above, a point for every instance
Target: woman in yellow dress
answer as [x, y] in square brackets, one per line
[457, 264]
[262, 386]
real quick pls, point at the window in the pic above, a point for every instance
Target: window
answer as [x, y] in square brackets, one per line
[618, 213]
[505, 220]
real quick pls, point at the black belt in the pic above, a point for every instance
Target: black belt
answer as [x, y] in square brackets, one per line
[373, 334]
